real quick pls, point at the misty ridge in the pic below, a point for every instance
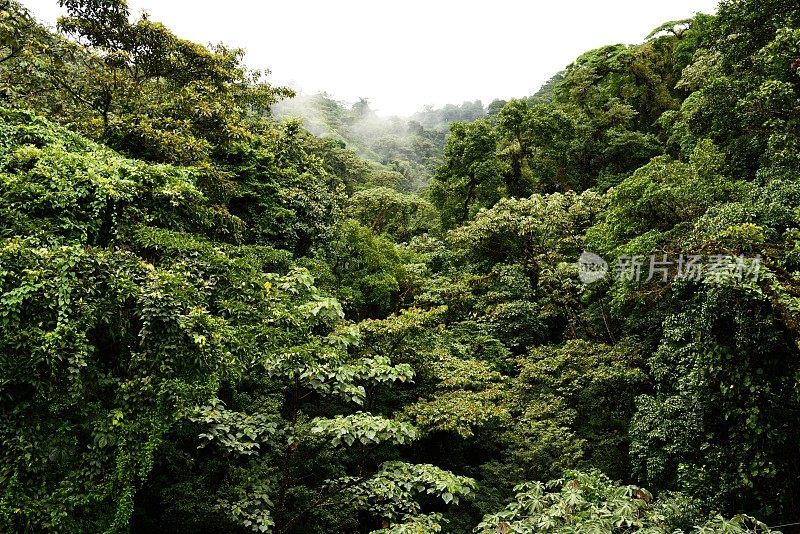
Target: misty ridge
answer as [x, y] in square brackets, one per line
[411, 146]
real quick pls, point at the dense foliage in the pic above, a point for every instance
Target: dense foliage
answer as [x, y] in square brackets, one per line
[218, 318]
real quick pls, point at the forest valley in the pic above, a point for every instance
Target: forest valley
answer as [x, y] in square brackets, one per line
[214, 320]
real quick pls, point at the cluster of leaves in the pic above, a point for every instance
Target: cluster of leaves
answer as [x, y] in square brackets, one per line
[590, 502]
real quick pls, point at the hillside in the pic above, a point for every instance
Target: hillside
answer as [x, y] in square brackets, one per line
[409, 146]
[226, 308]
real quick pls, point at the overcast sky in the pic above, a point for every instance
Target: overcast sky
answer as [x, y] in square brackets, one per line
[404, 55]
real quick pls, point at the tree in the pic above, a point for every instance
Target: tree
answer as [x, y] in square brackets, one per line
[367, 271]
[470, 173]
[387, 211]
[142, 90]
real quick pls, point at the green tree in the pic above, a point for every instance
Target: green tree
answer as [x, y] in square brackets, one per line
[471, 174]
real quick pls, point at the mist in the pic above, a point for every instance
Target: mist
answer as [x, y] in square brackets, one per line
[405, 56]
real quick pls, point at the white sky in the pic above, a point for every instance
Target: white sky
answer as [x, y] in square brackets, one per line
[404, 55]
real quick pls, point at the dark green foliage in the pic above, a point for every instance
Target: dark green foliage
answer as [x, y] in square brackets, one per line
[470, 177]
[214, 321]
